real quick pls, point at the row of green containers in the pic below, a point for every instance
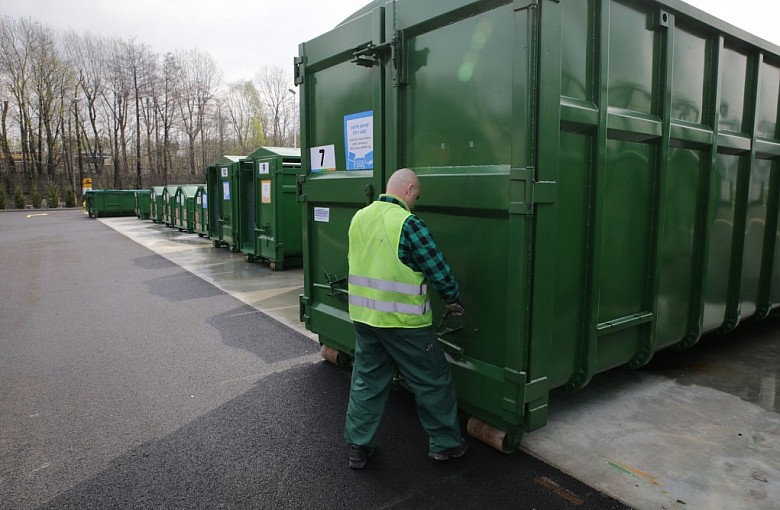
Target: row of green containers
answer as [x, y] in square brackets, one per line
[254, 207]
[248, 204]
[179, 206]
[602, 175]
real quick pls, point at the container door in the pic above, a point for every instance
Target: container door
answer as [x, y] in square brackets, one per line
[247, 207]
[266, 174]
[214, 192]
[226, 209]
[342, 79]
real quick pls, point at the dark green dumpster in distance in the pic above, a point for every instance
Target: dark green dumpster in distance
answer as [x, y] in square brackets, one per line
[222, 187]
[142, 204]
[270, 215]
[202, 212]
[156, 203]
[602, 175]
[184, 207]
[110, 202]
[169, 204]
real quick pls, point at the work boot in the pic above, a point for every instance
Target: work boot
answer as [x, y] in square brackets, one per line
[359, 455]
[454, 452]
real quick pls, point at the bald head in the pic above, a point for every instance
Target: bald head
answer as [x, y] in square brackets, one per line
[405, 185]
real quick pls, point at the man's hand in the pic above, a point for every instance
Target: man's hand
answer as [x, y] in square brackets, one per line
[454, 310]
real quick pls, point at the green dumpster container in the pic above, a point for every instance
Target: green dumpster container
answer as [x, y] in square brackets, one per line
[222, 187]
[184, 207]
[201, 212]
[142, 204]
[156, 203]
[110, 202]
[270, 215]
[602, 175]
[169, 204]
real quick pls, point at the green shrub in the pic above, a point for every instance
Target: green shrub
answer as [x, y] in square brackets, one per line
[37, 199]
[18, 198]
[70, 198]
[53, 196]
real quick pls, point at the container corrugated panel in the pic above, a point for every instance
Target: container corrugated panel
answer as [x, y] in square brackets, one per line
[602, 176]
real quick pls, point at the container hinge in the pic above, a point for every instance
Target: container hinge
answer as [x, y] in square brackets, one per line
[525, 401]
[304, 309]
[533, 191]
[369, 56]
[519, 5]
[299, 64]
[299, 183]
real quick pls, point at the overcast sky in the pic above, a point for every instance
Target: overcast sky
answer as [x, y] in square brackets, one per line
[244, 35]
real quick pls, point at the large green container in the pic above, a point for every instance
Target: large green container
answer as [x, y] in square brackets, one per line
[156, 203]
[201, 211]
[184, 207]
[222, 186]
[110, 202]
[142, 204]
[602, 176]
[269, 209]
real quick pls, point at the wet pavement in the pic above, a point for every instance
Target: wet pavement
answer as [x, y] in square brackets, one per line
[694, 429]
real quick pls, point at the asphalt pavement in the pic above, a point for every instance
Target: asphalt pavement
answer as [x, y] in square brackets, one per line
[129, 382]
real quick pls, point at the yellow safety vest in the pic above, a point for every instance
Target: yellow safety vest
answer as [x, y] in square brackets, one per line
[383, 291]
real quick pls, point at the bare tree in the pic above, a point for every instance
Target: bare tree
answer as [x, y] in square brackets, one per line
[280, 115]
[16, 39]
[243, 112]
[200, 78]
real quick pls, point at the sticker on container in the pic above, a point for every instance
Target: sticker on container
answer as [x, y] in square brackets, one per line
[323, 158]
[359, 140]
[265, 192]
[205, 201]
[224, 171]
[322, 214]
[226, 190]
[264, 168]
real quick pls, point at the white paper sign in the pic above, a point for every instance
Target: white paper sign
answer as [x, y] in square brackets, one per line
[226, 190]
[264, 168]
[224, 171]
[322, 214]
[265, 192]
[323, 158]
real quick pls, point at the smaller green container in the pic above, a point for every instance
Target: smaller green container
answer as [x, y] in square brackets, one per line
[184, 207]
[156, 203]
[169, 204]
[223, 189]
[202, 211]
[110, 202]
[142, 204]
[270, 215]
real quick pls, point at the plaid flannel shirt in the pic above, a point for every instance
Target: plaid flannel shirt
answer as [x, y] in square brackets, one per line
[418, 251]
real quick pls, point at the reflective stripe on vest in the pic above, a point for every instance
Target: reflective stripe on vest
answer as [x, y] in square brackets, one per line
[389, 306]
[401, 288]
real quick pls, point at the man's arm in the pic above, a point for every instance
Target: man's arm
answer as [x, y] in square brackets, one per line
[418, 250]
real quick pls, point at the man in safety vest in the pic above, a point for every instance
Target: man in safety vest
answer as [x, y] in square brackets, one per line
[392, 257]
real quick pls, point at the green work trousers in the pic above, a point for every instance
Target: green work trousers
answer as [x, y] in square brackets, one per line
[417, 355]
